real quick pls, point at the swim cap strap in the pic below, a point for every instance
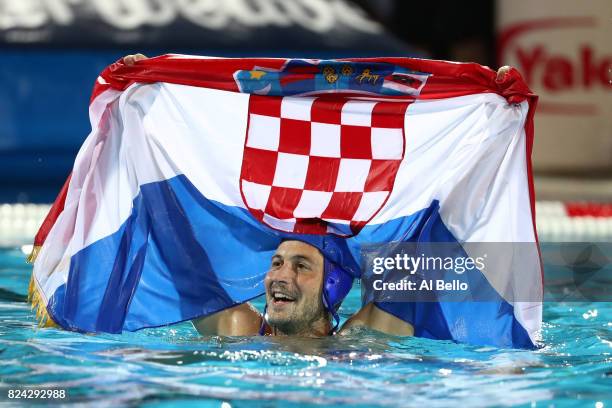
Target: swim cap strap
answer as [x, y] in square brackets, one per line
[333, 312]
[262, 328]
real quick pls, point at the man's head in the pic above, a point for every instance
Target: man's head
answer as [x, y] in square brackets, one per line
[294, 288]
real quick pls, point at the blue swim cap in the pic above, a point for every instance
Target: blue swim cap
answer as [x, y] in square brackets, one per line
[339, 269]
[337, 285]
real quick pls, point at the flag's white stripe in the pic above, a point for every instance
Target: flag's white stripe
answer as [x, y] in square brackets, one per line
[160, 131]
[514, 208]
[202, 131]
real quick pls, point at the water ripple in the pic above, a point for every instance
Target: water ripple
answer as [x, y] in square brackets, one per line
[174, 365]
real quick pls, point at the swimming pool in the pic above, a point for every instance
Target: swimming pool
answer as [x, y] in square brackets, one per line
[173, 366]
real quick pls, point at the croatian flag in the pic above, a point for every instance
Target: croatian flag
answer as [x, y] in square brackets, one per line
[196, 168]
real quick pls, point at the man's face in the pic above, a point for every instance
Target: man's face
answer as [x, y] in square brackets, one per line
[293, 288]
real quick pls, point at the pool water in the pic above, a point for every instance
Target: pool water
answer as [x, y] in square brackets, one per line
[173, 366]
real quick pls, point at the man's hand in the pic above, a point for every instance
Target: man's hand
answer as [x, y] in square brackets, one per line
[133, 58]
[501, 72]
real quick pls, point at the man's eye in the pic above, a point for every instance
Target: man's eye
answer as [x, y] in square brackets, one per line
[302, 266]
[276, 264]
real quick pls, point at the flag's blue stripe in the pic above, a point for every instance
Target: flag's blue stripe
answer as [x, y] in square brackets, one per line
[492, 322]
[179, 256]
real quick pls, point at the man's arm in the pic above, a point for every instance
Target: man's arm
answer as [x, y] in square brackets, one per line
[377, 319]
[241, 320]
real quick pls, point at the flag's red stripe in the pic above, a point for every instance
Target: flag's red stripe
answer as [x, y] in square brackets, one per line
[286, 79]
[447, 79]
[54, 212]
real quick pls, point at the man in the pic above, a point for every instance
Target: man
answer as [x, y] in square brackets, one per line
[304, 288]
[302, 297]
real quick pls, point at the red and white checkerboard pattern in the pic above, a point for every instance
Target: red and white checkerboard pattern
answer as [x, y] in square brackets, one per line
[320, 165]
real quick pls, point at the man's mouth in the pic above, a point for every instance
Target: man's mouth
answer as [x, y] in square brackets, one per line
[281, 298]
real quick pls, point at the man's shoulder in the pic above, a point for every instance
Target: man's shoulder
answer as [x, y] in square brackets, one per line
[240, 320]
[375, 318]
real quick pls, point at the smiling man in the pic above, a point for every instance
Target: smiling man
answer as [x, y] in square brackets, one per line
[294, 291]
[305, 285]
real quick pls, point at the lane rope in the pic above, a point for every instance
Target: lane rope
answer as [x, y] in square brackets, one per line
[556, 222]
